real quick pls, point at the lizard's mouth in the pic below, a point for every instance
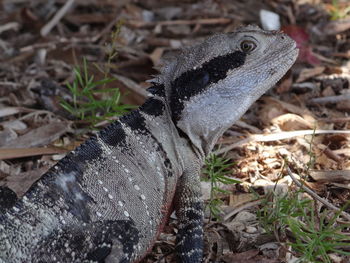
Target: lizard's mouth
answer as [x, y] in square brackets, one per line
[288, 57]
[288, 51]
[294, 53]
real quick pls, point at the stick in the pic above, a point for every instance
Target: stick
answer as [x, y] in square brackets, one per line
[330, 99]
[205, 21]
[57, 17]
[132, 85]
[317, 197]
[277, 137]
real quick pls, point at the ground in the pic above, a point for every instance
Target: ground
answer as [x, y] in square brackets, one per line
[298, 132]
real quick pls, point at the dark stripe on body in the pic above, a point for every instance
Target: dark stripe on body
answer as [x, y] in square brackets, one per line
[68, 172]
[153, 107]
[113, 134]
[195, 81]
[157, 89]
[8, 198]
[189, 236]
[66, 181]
[136, 122]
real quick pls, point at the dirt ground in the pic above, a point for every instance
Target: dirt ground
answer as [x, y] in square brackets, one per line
[302, 123]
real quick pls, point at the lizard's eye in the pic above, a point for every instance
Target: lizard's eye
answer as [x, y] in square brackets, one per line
[247, 46]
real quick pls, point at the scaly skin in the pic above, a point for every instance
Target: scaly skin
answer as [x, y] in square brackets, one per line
[108, 200]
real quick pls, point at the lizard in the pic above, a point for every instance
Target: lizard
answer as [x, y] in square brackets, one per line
[108, 200]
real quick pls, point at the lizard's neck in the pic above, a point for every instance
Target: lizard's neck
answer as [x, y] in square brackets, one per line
[203, 144]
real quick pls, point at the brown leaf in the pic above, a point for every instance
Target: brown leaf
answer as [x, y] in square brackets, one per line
[21, 182]
[285, 84]
[40, 136]
[292, 122]
[240, 199]
[287, 107]
[309, 73]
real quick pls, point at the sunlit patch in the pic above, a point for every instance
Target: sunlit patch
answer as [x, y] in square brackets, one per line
[64, 179]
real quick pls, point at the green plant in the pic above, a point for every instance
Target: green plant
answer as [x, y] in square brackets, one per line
[310, 235]
[337, 11]
[312, 156]
[91, 100]
[110, 50]
[216, 169]
[314, 240]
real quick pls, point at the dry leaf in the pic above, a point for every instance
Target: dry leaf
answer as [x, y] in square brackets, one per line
[292, 122]
[40, 136]
[309, 73]
[21, 182]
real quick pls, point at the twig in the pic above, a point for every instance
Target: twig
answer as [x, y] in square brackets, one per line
[8, 83]
[54, 21]
[6, 153]
[206, 21]
[343, 119]
[317, 197]
[277, 137]
[330, 99]
[106, 30]
[132, 85]
[9, 26]
[247, 126]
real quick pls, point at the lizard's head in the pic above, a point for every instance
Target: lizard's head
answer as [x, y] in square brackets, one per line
[211, 85]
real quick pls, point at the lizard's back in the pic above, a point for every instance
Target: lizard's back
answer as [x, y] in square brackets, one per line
[108, 195]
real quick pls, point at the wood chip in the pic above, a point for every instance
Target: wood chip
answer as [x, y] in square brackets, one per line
[330, 176]
[26, 152]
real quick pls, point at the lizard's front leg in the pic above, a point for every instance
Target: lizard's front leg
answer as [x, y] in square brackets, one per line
[189, 211]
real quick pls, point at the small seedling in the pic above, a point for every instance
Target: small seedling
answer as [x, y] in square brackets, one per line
[216, 169]
[310, 236]
[86, 104]
[91, 99]
[292, 217]
[111, 51]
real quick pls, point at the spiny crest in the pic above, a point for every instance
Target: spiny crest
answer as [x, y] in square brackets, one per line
[251, 27]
